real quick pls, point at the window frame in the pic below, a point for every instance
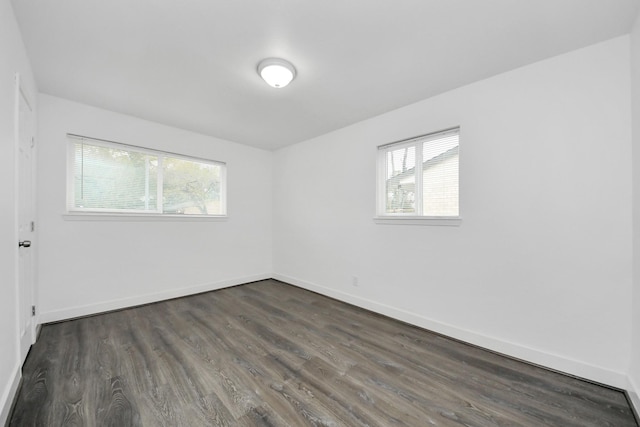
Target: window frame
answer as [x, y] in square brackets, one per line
[383, 217]
[75, 213]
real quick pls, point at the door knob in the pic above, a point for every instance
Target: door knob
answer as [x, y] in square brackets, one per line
[24, 244]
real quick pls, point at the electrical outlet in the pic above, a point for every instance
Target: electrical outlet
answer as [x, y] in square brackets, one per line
[354, 281]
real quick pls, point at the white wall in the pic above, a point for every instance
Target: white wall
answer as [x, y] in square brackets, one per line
[540, 267]
[635, 95]
[91, 266]
[12, 59]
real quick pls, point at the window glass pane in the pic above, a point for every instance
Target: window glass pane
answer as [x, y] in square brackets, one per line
[191, 187]
[440, 176]
[420, 176]
[114, 179]
[400, 180]
[111, 177]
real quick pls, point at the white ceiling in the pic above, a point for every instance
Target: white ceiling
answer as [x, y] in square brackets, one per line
[192, 63]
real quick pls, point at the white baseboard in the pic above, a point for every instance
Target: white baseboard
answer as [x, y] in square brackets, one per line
[101, 307]
[634, 395]
[9, 394]
[538, 357]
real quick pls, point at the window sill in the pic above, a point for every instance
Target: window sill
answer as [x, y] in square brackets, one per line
[86, 216]
[418, 220]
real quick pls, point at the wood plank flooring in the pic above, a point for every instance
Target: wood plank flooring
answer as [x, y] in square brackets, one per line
[270, 354]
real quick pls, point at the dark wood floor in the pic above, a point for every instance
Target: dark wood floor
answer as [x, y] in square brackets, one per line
[269, 354]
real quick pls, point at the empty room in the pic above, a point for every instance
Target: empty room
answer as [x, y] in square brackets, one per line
[290, 213]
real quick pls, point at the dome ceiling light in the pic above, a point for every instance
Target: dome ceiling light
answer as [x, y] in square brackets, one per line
[276, 72]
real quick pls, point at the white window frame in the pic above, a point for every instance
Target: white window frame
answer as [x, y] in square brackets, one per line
[75, 213]
[383, 217]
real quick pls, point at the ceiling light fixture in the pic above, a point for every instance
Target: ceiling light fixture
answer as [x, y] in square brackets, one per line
[276, 72]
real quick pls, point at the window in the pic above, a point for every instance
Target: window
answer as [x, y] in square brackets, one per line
[106, 177]
[418, 177]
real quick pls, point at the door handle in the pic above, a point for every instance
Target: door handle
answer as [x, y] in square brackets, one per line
[24, 244]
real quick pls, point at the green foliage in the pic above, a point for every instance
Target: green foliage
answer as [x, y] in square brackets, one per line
[119, 179]
[108, 178]
[189, 186]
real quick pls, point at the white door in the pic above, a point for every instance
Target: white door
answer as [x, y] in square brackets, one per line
[25, 210]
